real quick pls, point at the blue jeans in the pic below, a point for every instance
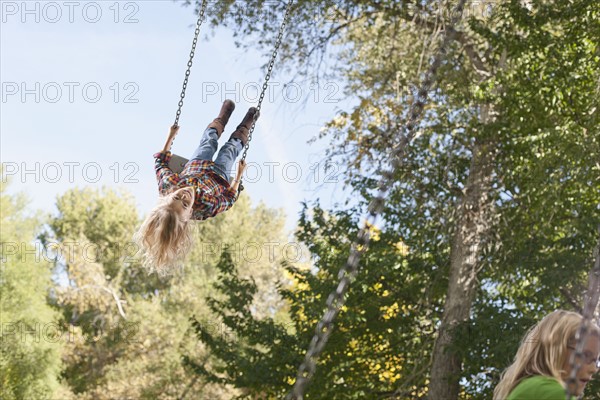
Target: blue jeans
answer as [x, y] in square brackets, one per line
[226, 157]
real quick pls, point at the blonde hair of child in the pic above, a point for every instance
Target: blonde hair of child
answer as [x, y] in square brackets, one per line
[164, 238]
[543, 351]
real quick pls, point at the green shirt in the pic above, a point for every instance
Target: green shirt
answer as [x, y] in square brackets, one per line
[538, 388]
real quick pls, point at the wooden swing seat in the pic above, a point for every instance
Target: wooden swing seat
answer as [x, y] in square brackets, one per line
[177, 163]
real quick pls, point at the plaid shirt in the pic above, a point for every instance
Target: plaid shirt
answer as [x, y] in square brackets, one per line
[213, 193]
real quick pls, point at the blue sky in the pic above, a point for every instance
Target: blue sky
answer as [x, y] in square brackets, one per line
[89, 90]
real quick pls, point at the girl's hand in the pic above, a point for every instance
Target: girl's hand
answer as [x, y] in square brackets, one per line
[235, 184]
[241, 168]
[170, 138]
[173, 131]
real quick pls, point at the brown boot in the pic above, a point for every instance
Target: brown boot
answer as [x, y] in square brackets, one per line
[220, 122]
[242, 130]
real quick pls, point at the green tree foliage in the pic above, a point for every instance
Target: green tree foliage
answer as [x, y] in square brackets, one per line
[521, 79]
[549, 179]
[30, 362]
[362, 360]
[130, 329]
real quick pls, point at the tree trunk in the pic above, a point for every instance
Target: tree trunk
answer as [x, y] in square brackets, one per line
[473, 224]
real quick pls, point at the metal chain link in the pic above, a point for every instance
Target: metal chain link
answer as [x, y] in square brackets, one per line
[190, 61]
[266, 82]
[590, 304]
[348, 272]
[269, 71]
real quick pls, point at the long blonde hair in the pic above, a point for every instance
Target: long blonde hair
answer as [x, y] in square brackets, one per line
[543, 351]
[164, 238]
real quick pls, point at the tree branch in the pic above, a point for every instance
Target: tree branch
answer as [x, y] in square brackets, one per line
[460, 36]
[109, 291]
[478, 65]
[572, 301]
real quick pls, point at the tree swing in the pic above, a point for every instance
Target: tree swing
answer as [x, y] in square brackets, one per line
[177, 163]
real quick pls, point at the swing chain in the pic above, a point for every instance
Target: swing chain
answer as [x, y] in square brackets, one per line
[199, 22]
[266, 83]
[589, 308]
[348, 272]
[269, 71]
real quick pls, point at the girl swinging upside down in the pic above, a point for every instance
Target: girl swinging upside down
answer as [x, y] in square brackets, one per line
[202, 190]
